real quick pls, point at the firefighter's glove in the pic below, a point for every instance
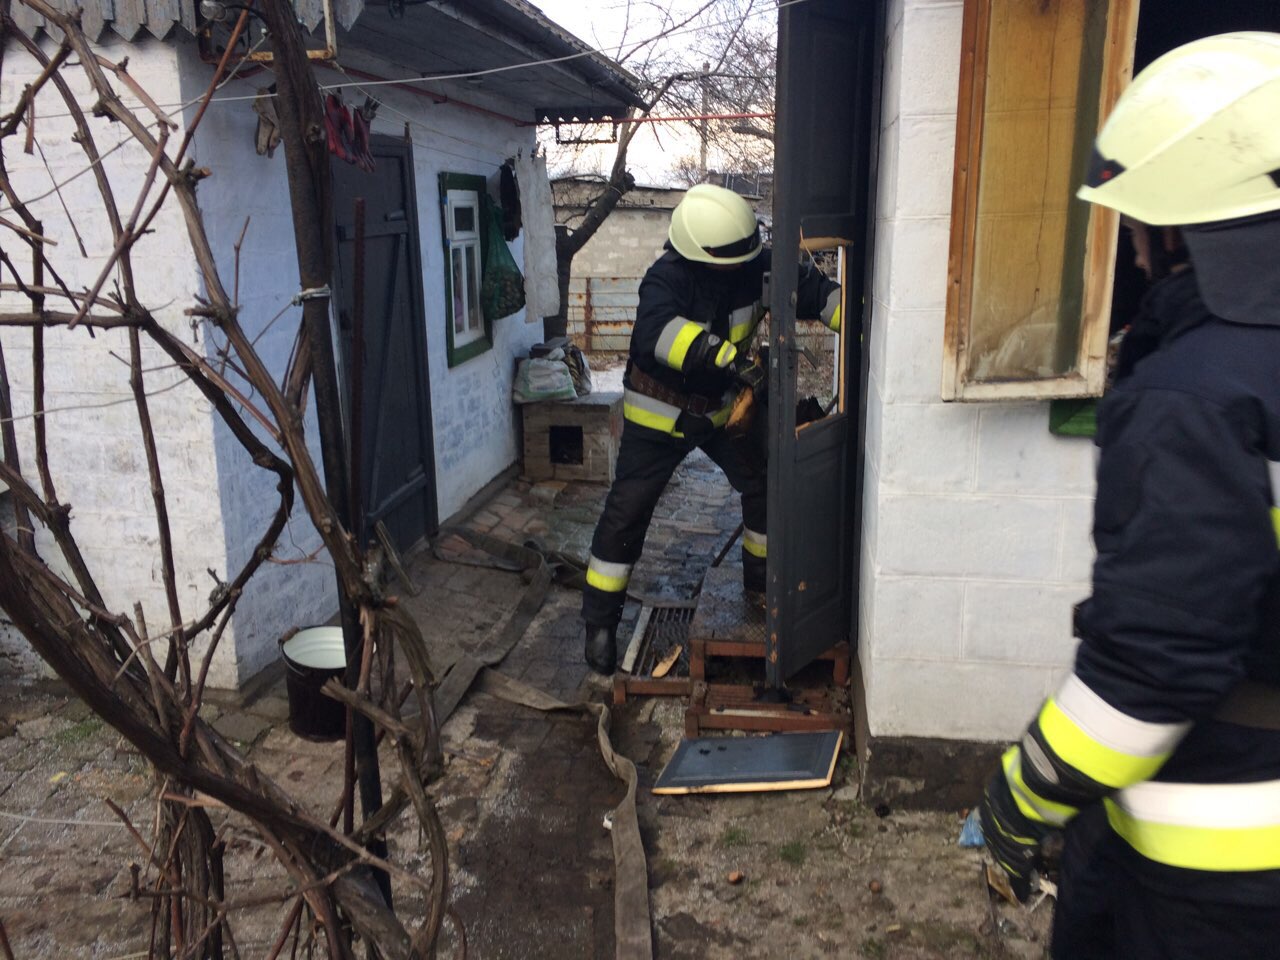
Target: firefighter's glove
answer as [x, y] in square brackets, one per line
[751, 376]
[710, 354]
[1012, 838]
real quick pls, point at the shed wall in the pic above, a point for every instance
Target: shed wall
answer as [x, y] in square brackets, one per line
[977, 519]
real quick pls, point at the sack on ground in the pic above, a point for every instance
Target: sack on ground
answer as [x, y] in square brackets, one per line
[579, 369]
[543, 378]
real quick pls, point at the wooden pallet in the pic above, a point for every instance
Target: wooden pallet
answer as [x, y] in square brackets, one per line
[726, 626]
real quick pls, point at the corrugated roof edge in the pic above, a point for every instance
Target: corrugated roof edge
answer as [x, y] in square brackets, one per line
[534, 26]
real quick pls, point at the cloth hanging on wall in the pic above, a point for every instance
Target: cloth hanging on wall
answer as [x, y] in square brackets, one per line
[541, 288]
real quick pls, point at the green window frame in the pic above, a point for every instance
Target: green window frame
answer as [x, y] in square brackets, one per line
[462, 227]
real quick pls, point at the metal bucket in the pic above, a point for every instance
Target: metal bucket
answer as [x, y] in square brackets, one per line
[311, 657]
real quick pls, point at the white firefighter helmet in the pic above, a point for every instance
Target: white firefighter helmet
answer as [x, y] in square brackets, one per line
[1196, 137]
[714, 225]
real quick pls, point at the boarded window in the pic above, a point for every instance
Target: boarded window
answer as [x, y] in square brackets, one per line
[1031, 266]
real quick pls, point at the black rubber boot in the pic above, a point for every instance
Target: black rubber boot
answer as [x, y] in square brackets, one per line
[602, 649]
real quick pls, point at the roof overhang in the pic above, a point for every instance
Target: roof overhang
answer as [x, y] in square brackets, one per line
[540, 71]
[509, 49]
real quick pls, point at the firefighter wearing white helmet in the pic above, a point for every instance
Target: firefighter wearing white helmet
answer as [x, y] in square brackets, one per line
[690, 354]
[1160, 754]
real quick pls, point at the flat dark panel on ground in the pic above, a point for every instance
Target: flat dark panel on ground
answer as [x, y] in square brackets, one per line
[779, 761]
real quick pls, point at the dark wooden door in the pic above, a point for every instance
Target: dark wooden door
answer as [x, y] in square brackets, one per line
[827, 130]
[395, 457]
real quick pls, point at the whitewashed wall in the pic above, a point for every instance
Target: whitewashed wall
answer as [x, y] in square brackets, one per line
[244, 186]
[95, 453]
[977, 519]
[473, 419]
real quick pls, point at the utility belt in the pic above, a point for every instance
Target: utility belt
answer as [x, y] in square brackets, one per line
[1252, 704]
[695, 403]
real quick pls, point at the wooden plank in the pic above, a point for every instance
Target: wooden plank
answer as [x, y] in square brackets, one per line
[974, 36]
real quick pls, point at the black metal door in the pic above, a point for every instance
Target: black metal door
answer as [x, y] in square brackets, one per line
[827, 130]
[393, 455]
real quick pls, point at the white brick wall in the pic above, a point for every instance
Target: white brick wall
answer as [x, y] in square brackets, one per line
[976, 539]
[95, 456]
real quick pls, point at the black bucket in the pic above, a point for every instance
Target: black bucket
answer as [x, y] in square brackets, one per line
[311, 658]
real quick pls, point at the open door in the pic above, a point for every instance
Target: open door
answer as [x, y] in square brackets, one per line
[827, 134]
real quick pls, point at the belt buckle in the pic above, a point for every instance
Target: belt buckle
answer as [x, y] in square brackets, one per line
[697, 405]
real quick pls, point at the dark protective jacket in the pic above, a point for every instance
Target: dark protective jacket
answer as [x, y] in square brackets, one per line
[1182, 626]
[680, 299]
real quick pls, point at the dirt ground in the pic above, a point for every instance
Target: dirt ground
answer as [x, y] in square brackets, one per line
[799, 874]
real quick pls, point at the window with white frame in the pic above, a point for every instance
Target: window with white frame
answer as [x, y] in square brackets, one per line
[461, 198]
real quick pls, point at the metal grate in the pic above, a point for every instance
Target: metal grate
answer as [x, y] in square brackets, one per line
[660, 628]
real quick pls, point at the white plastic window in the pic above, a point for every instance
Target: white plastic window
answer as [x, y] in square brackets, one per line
[462, 229]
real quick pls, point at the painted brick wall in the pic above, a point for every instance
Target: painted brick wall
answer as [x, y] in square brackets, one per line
[95, 455]
[245, 186]
[977, 519]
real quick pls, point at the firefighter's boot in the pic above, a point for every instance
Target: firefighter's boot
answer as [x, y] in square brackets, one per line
[602, 648]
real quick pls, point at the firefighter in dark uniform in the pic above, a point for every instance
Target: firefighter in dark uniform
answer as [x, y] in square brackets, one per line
[1160, 754]
[699, 306]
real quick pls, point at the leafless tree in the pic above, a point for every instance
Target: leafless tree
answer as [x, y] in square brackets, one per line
[146, 680]
[727, 68]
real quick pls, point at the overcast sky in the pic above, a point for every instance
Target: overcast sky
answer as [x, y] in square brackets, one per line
[604, 25]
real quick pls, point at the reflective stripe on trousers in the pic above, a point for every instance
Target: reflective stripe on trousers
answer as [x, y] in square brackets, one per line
[756, 544]
[606, 576]
[1215, 827]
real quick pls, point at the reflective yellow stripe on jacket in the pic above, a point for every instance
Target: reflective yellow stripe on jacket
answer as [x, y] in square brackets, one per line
[674, 341]
[831, 311]
[1105, 744]
[1029, 802]
[1211, 826]
[743, 322]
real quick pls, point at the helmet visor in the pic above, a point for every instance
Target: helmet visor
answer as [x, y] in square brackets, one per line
[739, 248]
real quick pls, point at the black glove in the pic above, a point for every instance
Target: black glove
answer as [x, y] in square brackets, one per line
[709, 354]
[752, 376]
[1012, 838]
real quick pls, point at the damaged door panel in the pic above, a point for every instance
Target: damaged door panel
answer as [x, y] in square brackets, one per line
[828, 97]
